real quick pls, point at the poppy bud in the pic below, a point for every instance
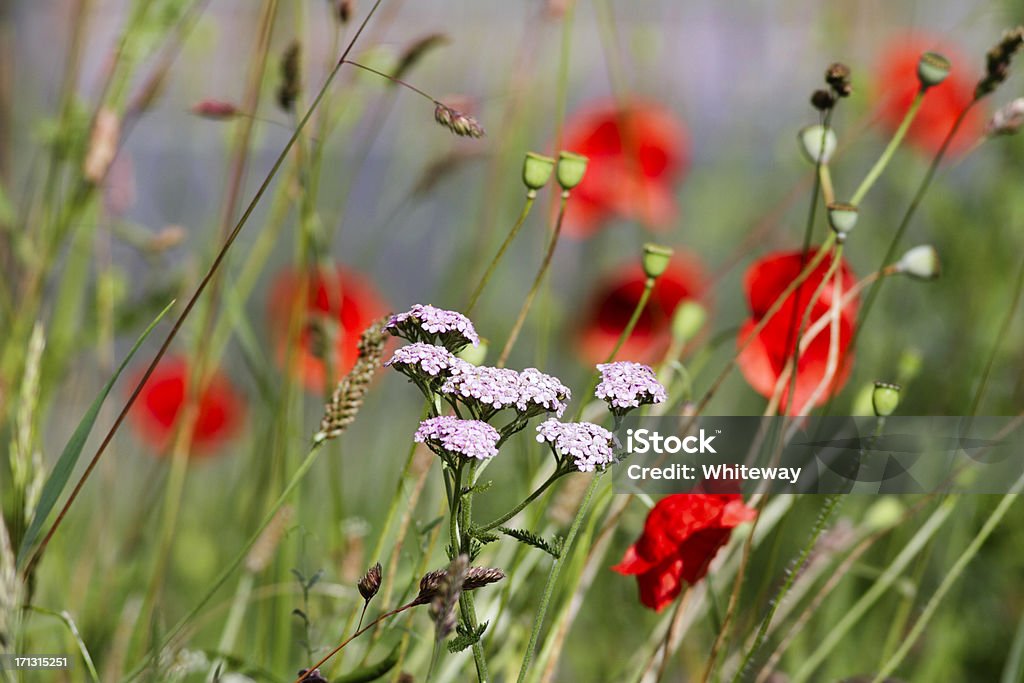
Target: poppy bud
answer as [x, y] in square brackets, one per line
[818, 143]
[687, 321]
[921, 262]
[656, 259]
[932, 69]
[474, 354]
[842, 217]
[885, 398]
[571, 168]
[537, 170]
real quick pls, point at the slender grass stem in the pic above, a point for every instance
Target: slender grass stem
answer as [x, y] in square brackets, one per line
[948, 580]
[997, 343]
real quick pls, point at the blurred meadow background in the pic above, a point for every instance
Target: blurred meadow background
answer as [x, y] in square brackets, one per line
[133, 136]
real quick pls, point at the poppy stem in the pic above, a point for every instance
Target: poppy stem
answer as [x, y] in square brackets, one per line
[811, 266]
[545, 264]
[530, 198]
[890, 149]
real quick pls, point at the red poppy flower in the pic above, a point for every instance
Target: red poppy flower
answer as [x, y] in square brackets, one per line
[763, 361]
[636, 153]
[896, 80]
[682, 534]
[334, 307]
[155, 412]
[612, 306]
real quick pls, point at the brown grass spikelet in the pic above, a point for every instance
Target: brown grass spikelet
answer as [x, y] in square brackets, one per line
[348, 396]
[106, 134]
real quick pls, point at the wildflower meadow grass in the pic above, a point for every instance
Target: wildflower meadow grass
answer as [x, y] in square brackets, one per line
[324, 326]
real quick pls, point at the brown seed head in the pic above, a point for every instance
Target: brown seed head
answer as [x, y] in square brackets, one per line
[370, 583]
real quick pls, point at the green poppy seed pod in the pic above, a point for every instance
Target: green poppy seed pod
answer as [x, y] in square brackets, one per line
[571, 168]
[921, 262]
[656, 258]
[474, 355]
[687, 321]
[842, 217]
[885, 398]
[818, 143]
[537, 170]
[932, 69]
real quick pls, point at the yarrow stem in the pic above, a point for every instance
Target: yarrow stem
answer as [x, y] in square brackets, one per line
[558, 474]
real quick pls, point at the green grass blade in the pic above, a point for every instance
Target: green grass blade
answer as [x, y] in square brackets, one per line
[61, 473]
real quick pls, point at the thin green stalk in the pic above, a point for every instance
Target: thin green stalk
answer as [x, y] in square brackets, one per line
[835, 635]
[947, 582]
[526, 501]
[75, 635]
[530, 198]
[997, 343]
[890, 253]
[556, 568]
[890, 149]
[827, 510]
[823, 250]
[521, 318]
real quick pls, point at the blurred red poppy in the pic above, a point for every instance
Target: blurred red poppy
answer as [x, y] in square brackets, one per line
[155, 413]
[897, 84]
[334, 307]
[763, 361]
[681, 536]
[612, 306]
[637, 153]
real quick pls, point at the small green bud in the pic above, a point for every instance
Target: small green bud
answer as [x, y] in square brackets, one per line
[884, 513]
[932, 69]
[921, 262]
[687, 321]
[817, 141]
[537, 170]
[885, 398]
[656, 259]
[571, 168]
[474, 355]
[842, 217]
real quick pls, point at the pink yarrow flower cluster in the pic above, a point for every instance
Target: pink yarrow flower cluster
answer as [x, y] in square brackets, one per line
[530, 391]
[626, 385]
[466, 438]
[589, 445]
[425, 323]
[426, 358]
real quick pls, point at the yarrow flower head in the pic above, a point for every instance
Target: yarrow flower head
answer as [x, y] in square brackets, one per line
[425, 323]
[539, 393]
[488, 389]
[589, 446]
[421, 361]
[451, 436]
[626, 385]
